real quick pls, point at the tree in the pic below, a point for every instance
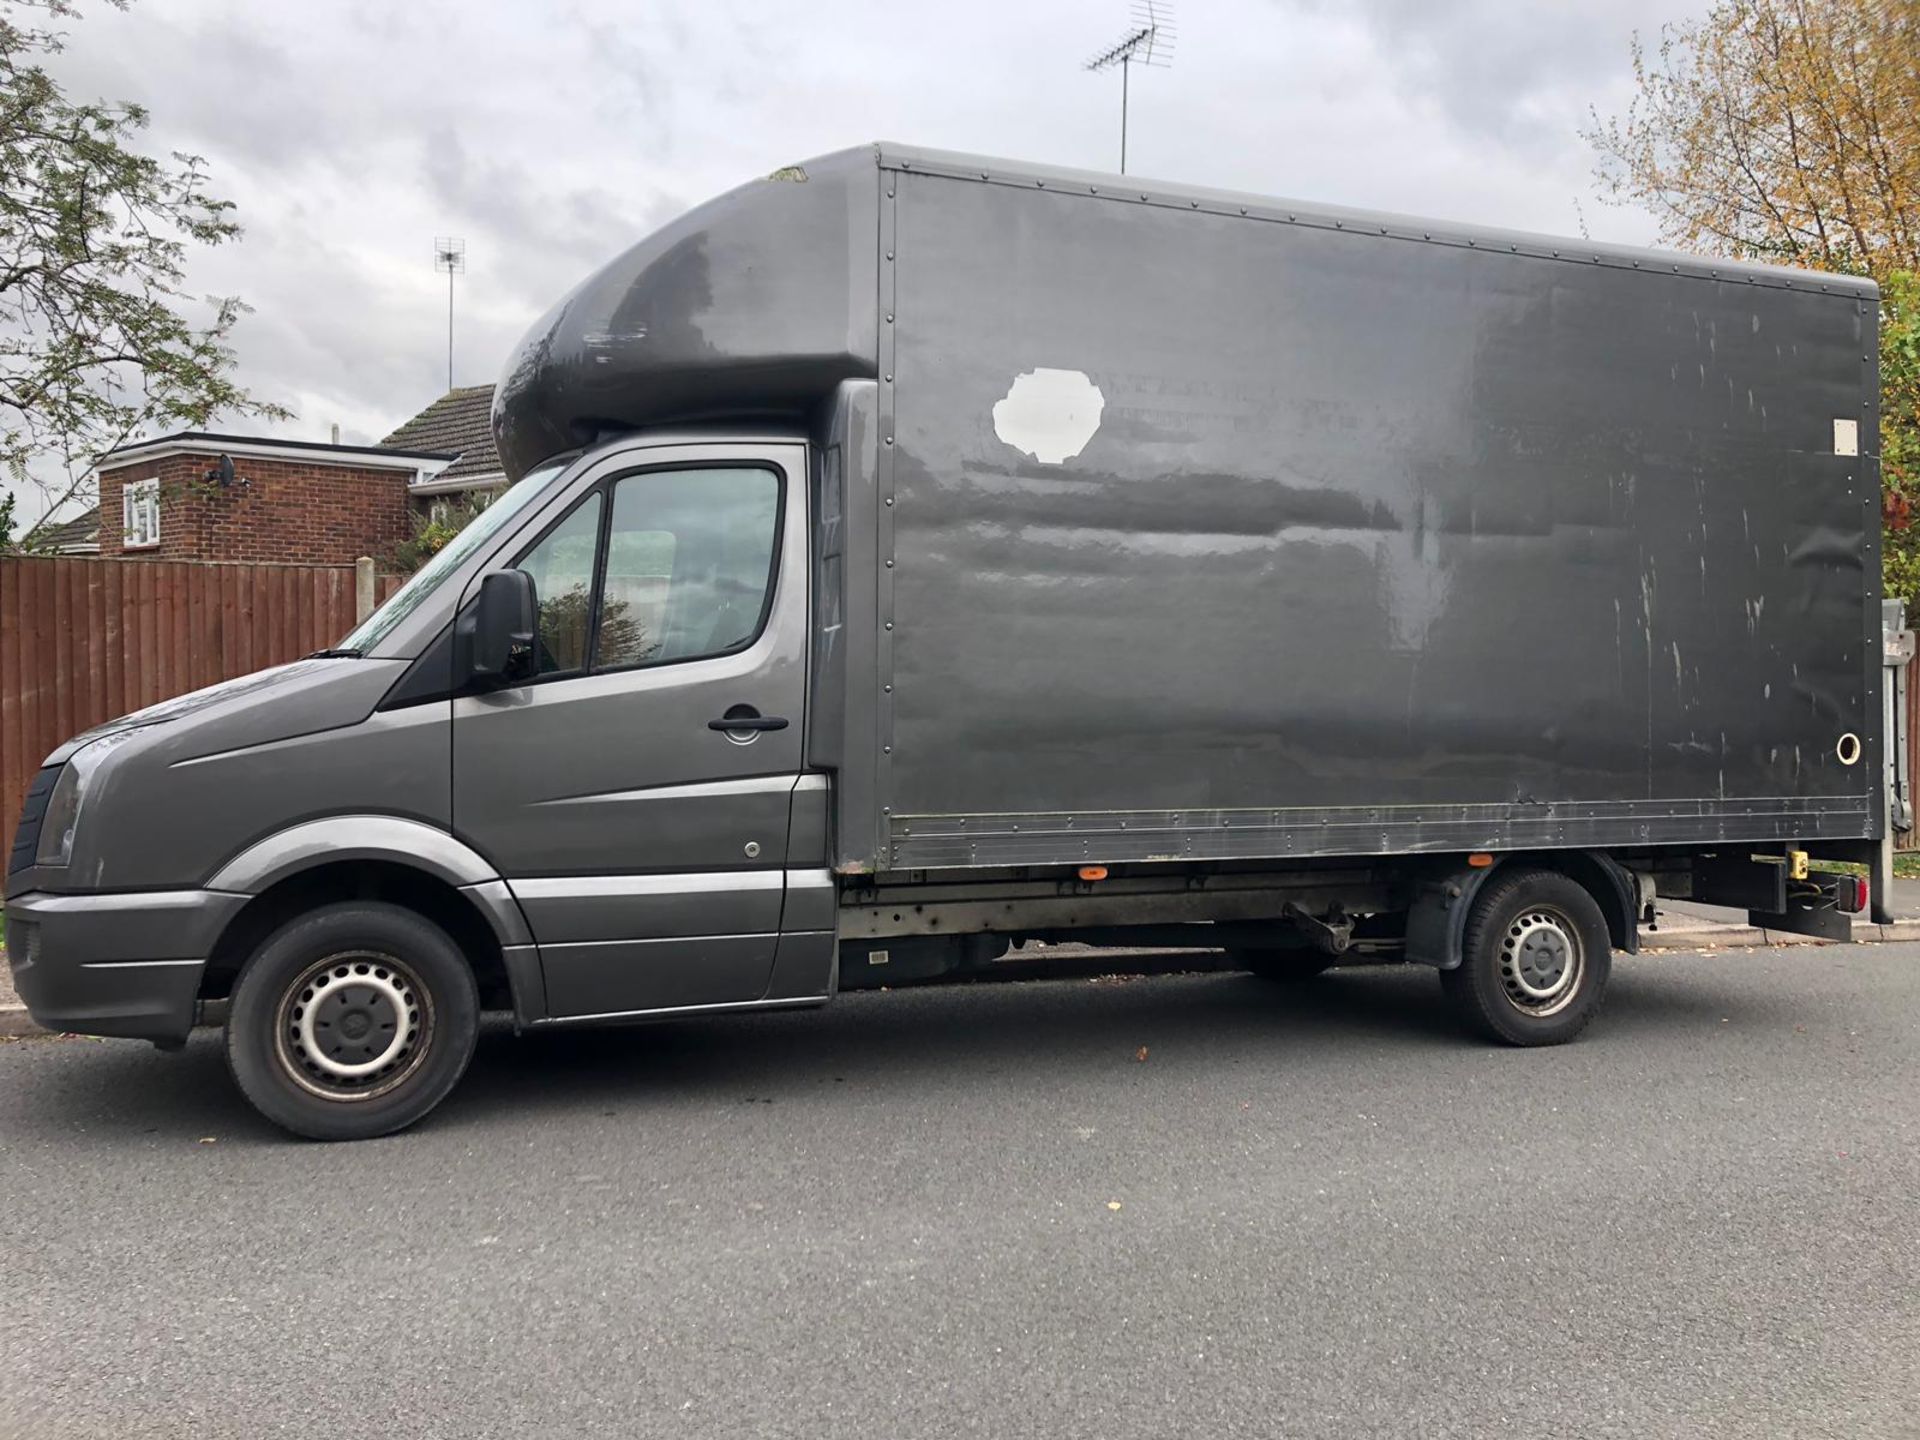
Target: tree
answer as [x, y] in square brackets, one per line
[95, 342]
[1789, 131]
[1785, 130]
[1900, 435]
[434, 530]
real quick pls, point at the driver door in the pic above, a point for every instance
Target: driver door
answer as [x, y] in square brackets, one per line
[644, 835]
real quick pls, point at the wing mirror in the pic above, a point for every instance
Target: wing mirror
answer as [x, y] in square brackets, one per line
[500, 640]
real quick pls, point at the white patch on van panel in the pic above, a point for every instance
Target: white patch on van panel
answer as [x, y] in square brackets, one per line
[1846, 437]
[1049, 414]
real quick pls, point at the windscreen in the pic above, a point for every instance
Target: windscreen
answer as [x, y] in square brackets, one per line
[412, 595]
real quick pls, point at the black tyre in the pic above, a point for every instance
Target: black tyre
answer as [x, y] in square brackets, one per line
[1283, 967]
[1535, 960]
[353, 1020]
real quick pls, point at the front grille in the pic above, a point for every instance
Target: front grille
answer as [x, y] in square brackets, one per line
[26, 840]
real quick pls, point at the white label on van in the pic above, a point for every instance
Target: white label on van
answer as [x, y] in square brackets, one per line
[1049, 414]
[1846, 437]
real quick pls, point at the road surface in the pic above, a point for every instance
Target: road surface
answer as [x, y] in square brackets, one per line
[1188, 1205]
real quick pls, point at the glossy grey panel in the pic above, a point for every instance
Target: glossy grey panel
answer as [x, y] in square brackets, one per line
[804, 967]
[529, 985]
[563, 910]
[813, 899]
[1208, 200]
[618, 773]
[758, 302]
[147, 925]
[589, 979]
[243, 710]
[1573, 535]
[177, 801]
[807, 838]
[853, 657]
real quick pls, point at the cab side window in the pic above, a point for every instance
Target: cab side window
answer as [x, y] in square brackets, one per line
[562, 567]
[689, 565]
[682, 569]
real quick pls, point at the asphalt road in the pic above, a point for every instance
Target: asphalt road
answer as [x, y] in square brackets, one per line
[897, 1217]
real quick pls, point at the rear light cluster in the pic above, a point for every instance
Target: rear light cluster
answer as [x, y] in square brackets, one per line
[1850, 893]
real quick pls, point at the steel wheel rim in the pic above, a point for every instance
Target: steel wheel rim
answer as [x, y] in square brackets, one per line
[1541, 962]
[353, 1026]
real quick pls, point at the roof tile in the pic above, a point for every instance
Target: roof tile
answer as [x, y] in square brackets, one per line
[460, 420]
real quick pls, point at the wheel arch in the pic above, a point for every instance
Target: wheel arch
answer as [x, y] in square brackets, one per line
[285, 853]
[1437, 920]
[403, 862]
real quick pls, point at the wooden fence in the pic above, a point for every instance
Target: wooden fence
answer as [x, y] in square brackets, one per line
[82, 641]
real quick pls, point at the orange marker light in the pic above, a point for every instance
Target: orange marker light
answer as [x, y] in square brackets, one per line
[1480, 861]
[1093, 872]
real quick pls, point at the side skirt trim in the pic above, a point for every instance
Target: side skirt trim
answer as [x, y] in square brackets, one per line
[670, 1011]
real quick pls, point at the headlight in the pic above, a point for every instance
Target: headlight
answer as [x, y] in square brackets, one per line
[63, 806]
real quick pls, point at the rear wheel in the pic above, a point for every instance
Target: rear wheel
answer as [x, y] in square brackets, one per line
[1534, 962]
[352, 1021]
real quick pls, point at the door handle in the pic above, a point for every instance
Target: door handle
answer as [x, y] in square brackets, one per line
[749, 722]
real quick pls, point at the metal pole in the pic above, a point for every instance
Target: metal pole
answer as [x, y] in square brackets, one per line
[1897, 647]
[1124, 64]
[449, 327]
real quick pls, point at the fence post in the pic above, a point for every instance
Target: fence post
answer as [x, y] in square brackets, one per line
[362, 589]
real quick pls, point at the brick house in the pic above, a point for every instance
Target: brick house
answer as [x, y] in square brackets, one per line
[211, 496]
[458, 423]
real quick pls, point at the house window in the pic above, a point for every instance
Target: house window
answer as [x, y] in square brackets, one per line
[140, 514]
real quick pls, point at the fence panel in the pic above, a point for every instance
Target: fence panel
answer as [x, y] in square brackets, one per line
[83, 640]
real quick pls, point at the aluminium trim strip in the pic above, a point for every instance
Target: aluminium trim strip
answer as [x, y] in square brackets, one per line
[796, 1003]
[615, 944]
[134, 964]
[599, 887]
[703, 789]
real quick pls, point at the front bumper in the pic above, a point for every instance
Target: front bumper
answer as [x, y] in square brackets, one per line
[124, 964]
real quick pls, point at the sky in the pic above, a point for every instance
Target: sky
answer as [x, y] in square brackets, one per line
[550, 136]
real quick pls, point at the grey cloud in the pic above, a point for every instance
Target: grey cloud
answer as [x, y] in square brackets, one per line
[1520, 74]
[551, 136]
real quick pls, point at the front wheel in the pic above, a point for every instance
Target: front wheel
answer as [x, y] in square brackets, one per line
[352, 1021]
[1534, 962]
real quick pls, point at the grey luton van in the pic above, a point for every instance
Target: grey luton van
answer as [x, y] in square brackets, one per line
[913, 553]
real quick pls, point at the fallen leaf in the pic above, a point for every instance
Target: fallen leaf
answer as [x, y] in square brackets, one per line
[1113, 1204]
[206, 1140]
[1141, 1053]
